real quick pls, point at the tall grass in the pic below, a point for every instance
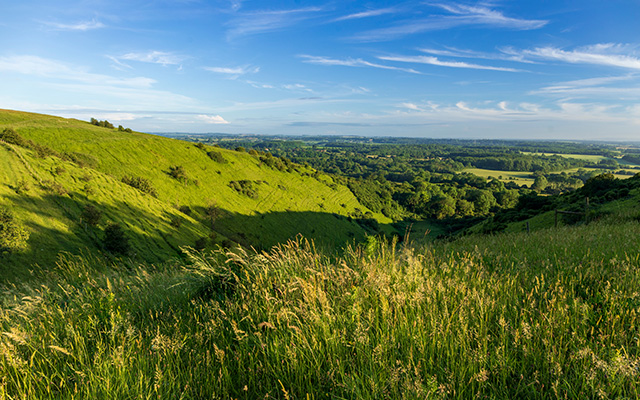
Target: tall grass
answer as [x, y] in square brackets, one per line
[548, 315]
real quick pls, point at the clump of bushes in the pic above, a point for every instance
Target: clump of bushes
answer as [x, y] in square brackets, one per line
[103, 124]
[13, 236]
[11, 136]
[217, 157]
[244, 187]
[142, 184]
[115, 241]
[178, 172]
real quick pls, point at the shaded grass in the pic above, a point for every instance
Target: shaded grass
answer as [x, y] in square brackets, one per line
[548, 315]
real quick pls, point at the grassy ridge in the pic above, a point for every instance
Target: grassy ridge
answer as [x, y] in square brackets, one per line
[282, 203]
[508, 316]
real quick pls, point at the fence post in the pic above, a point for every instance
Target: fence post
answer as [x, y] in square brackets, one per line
[528, 229]
[556, 217]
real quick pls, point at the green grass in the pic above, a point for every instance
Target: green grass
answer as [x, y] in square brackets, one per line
[553, 314]
[286, 203]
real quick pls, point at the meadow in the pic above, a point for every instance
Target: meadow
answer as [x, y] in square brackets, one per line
[552, 314]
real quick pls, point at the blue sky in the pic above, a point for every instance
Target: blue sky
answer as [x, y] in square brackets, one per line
[498, 69]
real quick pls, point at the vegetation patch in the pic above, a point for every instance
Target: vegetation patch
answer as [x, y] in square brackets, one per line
[13, 235]
[142, 184]
[245, 187]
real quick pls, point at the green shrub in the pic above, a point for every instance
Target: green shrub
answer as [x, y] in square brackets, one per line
[11, 136]
[13, 236]
[142, 184]
[244, 187]
[115, 241]
[217, 157]
[178, 172]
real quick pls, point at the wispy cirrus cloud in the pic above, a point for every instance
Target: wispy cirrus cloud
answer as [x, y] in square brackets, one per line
[79, 26]
[234, 72]
[600, 87]
[42, 67]
[352, 62]
[458, 15]
[154, 57]
[451, 64]
[368, 14]
[257, 22]
[608, 54]
[466, 53]
[77, 81]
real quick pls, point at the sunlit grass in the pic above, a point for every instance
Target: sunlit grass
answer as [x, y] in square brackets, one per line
[553, 314]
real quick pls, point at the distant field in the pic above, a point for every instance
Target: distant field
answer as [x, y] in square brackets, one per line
[523, 177]
[587, 157]
[519, 177]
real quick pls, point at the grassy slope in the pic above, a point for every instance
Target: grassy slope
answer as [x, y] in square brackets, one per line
[287, 203]
[549, 315]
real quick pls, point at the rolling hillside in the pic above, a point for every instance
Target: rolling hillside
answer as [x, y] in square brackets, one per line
[189, 193]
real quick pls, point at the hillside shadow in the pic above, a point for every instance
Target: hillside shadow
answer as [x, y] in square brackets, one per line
[327, 230]
[58, 227]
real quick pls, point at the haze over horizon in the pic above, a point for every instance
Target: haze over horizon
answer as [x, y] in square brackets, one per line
[465, 69]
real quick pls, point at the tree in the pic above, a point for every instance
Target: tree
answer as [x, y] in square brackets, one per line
[13, 236]
[540, 183]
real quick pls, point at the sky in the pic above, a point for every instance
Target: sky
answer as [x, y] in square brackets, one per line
[536, 69]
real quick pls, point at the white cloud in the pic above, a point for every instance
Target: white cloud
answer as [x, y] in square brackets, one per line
[236, 71]
[154, 57]
[600, 54]
[80, 26]
[352, 62]
[212, 119]
[461, 15]
[368, 14]
[411, 106]
[438, 62]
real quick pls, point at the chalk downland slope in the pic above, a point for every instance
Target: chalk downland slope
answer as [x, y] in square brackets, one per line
[175, 194]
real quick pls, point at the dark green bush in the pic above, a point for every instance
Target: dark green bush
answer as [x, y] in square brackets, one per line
[178, 172]
[115, 241]
[217, 157]
[11, 136]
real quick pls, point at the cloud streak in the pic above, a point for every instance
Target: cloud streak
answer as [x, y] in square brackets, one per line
[352, 62]
[258, 22]
[451, 64]
[367, 14]
[600, 54]
[154, 57]
[80, 26]
[459, 15]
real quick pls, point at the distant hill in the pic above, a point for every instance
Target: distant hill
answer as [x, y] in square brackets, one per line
[55, 171]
